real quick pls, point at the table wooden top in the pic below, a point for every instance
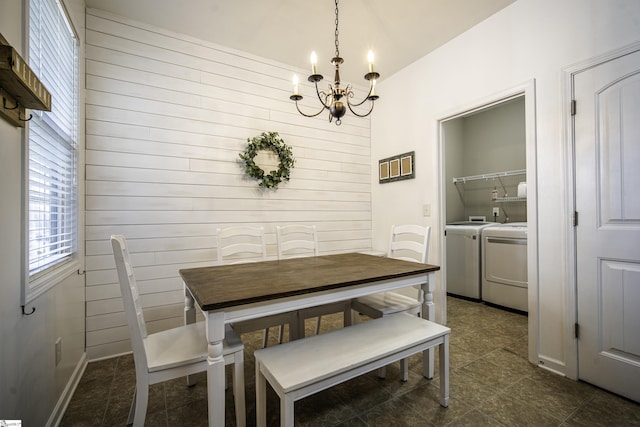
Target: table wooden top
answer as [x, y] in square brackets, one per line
[232, 285]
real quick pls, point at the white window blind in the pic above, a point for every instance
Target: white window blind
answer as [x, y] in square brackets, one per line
[52, 154]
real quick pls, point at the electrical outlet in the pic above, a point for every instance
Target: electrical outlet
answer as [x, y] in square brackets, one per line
[58, 350]
[426, 210]
[496, 211]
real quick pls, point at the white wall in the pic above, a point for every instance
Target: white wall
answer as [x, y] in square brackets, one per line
[493, 141]
[31, 386]
[167, 116]
[530, 39]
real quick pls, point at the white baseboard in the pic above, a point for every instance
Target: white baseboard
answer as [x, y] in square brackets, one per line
[67, 394]
[551, 365]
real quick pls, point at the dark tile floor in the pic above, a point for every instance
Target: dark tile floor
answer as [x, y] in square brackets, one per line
[492, 384]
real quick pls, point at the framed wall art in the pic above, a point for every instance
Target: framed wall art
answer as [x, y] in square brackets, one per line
[384, 170]
[397, 168]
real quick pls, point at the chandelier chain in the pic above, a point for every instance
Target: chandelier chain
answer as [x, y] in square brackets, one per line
[337, 32]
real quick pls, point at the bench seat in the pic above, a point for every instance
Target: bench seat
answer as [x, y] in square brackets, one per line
[300, 368]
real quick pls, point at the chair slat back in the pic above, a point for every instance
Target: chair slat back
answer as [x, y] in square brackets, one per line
[240, 244]
[409, 242]
[295, 241]
[130, 298]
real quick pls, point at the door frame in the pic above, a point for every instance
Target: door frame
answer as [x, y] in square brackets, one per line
[528, 90]
[571, 290]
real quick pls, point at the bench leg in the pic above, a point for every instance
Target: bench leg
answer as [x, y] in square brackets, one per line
[428, 363]
[404, 370]
[261, 398]
[444, 371]
[286, 411]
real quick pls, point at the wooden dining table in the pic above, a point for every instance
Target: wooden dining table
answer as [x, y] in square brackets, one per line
[240, 292]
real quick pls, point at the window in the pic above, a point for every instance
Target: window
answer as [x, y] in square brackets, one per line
[52, 150]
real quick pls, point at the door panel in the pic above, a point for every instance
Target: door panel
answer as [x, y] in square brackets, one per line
[617, 108]
[620, 337]
[607, 149]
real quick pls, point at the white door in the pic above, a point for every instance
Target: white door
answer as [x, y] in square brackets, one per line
[607, 150]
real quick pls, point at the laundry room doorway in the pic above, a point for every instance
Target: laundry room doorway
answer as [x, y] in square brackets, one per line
[488, 179]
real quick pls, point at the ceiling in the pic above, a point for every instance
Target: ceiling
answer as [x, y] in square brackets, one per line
[399, 32]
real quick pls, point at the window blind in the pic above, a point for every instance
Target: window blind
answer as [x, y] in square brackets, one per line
[52, 154]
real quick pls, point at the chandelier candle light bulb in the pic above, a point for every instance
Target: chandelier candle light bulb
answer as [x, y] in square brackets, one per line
[314, 63]
[370, 58]
[295, 84]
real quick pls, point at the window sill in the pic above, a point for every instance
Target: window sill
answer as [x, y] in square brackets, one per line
[41, 284]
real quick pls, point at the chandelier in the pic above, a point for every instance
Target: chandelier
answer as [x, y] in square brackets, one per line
[337, 99]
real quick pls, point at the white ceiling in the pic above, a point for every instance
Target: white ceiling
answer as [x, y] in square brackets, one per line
[398, 31]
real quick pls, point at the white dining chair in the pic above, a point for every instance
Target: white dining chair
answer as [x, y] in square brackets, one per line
[171, 353]
[242, 244]
[295, 241]
[409, 243]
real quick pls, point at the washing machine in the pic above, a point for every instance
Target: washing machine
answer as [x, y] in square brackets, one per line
[504, 265]
[462, 241]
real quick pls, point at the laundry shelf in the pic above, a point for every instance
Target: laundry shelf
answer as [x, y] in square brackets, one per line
[510, 199]
[488, 176]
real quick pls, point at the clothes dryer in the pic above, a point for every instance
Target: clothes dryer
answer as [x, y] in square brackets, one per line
[504, 265]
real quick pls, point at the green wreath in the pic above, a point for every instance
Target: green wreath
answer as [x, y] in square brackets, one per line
[270, 141]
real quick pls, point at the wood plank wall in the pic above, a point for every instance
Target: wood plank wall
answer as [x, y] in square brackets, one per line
[167, 116]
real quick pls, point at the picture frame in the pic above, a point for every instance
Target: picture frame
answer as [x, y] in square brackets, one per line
[396, 168]
[406, 165]
[384, 170]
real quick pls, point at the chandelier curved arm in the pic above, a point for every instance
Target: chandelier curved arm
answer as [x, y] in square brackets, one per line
[370, 97]
[360, 115]
[310, 115]
[324, 96]
[350, 94]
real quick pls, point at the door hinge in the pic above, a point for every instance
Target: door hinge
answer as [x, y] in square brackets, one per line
[576, 329]
[575, 218]
[573, 107]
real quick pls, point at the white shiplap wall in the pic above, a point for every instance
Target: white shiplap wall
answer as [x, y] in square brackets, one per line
[167, 116]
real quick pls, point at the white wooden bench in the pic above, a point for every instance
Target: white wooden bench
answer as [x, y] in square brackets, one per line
[300, 368]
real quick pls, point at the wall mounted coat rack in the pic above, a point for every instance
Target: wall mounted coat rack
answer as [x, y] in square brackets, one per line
[20, 88]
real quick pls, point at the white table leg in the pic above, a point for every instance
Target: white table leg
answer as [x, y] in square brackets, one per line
[215, 370]
[429, 313]
[189, 317]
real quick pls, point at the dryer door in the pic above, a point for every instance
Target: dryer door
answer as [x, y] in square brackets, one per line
[505, 260]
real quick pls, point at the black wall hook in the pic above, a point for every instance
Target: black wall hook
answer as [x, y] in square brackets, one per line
[23, 119]
[24, 313]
